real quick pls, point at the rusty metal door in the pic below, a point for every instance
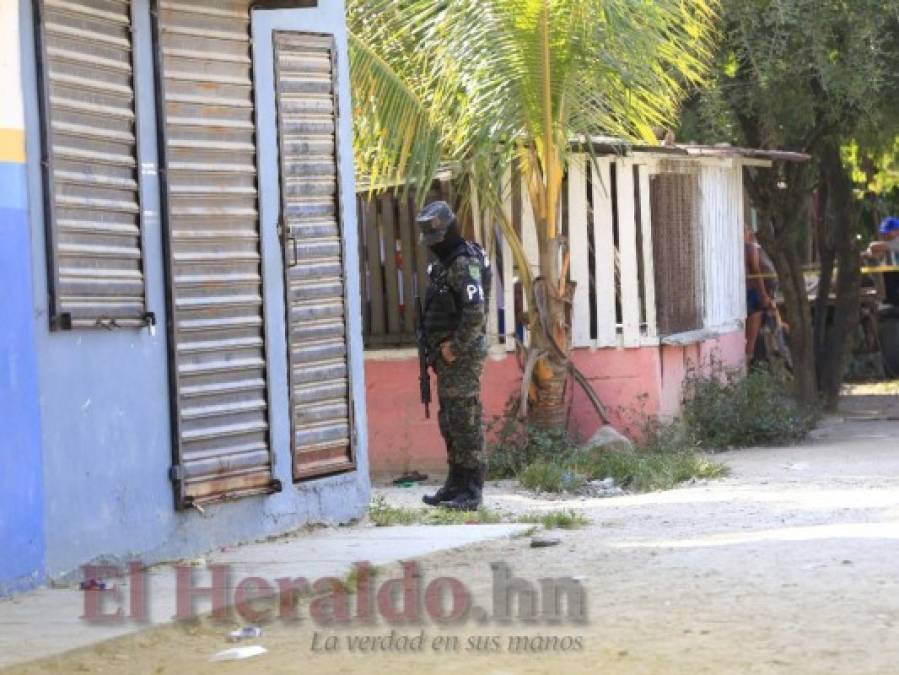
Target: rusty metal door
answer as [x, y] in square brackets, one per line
[314, 257]
[220, 386]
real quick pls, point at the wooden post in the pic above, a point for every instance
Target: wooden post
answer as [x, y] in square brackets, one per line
[407, 251]
[579, 245]
[508, 267]
[529, 231]
[363, 277]
[421, 253]
[604, 258]
[373, 237]
[649, 276]
[627, 248]
[388, 222]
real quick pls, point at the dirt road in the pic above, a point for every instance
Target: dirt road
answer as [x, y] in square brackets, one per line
[788, 566]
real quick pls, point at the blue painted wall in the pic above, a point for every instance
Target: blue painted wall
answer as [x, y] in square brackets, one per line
[105, 396]
[21, 477]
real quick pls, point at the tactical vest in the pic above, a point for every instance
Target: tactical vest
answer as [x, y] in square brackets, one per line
[441, 309]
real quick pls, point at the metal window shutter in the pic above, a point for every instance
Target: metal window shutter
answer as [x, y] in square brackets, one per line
[222, 446]
[91, 164]
[314, 256]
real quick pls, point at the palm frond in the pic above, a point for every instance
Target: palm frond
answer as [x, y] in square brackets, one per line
[394, 137]
[483, 84]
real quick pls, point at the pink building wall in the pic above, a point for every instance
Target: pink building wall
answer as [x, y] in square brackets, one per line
[634, 384]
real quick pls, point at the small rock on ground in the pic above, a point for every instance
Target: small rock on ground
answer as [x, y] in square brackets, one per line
[608, 438]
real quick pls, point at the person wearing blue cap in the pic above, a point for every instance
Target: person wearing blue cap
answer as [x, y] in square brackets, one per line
[889, 240]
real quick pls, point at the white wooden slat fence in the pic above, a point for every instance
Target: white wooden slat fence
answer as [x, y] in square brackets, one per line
[614, 255]
[580, 255]
[605, 267]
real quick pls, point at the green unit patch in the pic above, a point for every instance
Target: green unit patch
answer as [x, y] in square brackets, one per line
[474, 271]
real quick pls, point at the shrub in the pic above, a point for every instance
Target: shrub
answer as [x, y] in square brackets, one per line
[659, 463]
[516, 445]
[551, 461]
[724, 410]
[735, 411]
[568, 519]
[552, 475]
[383, 514]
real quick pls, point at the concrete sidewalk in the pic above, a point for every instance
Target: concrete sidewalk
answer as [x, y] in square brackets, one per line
[48, 621]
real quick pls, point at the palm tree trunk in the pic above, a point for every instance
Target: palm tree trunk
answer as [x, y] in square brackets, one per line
[551, 335]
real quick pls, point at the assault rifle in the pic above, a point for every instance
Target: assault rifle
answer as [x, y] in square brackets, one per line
[424, 379]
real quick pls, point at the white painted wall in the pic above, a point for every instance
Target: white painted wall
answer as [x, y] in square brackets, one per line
[724, 280]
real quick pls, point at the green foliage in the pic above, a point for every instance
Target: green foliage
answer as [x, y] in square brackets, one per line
[812, 76]
[725, 410]
[668, 437]
[567, 519]
[790, 71]
[551, 461]
[551, 475]
[733, 410]
[467, 81]
[383, 514]
[659, 465]
[516, 445]
[653, 467]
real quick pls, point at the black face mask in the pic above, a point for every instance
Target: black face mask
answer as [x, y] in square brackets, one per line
[450, 241]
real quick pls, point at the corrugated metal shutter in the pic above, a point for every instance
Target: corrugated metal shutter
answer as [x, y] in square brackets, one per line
[91, 163]
[222, 441]
[314, 257]
[677, 251]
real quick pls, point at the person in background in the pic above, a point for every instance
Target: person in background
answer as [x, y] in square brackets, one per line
[757, 298]
[888, 246]
[887, 249]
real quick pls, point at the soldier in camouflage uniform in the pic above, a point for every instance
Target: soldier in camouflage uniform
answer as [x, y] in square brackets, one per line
[454, 318]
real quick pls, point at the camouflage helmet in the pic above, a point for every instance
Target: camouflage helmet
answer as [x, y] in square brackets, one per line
[433, 222]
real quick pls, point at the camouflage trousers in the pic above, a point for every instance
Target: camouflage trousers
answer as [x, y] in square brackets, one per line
[461, 411]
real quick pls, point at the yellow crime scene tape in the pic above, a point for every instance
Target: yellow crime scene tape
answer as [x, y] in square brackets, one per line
[877, 269]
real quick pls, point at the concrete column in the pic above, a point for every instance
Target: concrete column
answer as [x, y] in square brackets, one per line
[21, 473]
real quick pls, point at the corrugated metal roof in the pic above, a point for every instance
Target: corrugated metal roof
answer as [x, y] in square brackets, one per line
[611, 145]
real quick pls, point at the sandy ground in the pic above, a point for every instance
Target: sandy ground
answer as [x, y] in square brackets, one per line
[787, 566]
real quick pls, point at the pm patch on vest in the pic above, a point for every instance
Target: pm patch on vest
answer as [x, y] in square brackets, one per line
[472, 290]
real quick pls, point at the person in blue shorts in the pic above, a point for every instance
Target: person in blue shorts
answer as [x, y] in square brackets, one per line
[757, 298]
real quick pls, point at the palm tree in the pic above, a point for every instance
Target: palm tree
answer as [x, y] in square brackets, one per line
[483, 85]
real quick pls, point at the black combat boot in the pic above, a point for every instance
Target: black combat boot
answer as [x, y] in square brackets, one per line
[450, 489]
[470, 496]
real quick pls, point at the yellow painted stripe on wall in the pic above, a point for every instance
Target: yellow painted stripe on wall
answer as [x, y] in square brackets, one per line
[12, 145]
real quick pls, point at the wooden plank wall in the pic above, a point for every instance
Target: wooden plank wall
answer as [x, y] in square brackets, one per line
[393, 267]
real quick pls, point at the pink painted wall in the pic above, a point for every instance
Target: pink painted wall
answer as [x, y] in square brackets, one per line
[634, 384]
[727, 351]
